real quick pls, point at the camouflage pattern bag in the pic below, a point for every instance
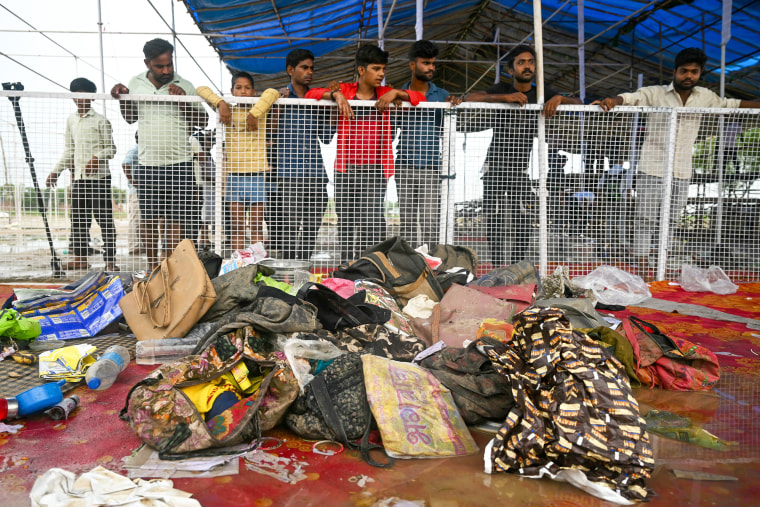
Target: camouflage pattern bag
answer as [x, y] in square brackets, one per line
[165, 418]
[343, 380]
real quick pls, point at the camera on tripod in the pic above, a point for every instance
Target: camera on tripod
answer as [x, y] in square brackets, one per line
[13, 86]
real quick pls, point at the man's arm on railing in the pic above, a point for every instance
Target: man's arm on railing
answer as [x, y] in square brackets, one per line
[126, 107]
[609, 102]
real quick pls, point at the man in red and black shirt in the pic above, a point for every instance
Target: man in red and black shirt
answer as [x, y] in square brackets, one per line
[364, 159]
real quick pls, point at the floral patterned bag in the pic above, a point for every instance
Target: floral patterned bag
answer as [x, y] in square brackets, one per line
[164, 417]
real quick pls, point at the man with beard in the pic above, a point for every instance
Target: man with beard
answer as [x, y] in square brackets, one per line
[164, 176]
[506, 184]
[418, 166]
[682, 92]
[300, 198]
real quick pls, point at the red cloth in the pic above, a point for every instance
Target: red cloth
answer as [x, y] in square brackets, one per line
[354, 143]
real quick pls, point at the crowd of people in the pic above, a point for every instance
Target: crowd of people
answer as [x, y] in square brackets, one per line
[274, 173]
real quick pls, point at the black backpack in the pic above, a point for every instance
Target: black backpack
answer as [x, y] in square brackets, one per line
[479, 391]
[397, 267]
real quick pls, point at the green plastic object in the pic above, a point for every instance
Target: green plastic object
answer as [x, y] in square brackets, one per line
[13, 325]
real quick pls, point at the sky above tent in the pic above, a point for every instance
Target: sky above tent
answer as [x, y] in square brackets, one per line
[46, 43]
[626, 37]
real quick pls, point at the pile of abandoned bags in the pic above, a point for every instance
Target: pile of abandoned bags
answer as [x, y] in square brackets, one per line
[335, 368]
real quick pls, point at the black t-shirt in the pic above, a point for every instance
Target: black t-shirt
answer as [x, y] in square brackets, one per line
[513, 131]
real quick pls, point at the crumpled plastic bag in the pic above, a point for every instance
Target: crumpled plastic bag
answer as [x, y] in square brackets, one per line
[613, 286]
[14, 325]
[298, 352]
[712, 279]
[67, 363]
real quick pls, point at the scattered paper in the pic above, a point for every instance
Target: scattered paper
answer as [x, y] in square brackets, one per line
[67, 363]
[10, 428]
[145, 463]
[361, 480]
[434, 348]
[288, 470]
[614, 323]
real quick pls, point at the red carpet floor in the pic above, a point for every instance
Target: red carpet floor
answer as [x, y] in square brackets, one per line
[94, 435]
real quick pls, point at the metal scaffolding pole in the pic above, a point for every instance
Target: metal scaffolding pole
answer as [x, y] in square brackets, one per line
[100, 36]
[543, 235]
[418, 24]
[725, 37]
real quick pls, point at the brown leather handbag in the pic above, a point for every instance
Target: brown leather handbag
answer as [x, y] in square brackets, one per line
[172, 299]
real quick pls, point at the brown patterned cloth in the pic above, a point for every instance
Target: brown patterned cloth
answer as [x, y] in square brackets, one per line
[574, 408]
[16, 378]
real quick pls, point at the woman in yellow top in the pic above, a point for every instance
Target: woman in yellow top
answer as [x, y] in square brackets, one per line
[245, 161]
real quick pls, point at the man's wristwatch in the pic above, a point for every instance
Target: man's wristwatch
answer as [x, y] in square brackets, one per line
[332, 94]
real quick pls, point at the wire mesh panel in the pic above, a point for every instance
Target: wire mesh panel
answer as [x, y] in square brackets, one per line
[720, 223]
[309, 185]
[503, 137]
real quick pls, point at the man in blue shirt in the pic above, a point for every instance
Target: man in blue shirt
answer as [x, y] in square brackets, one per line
[301, 196]
[418, 167]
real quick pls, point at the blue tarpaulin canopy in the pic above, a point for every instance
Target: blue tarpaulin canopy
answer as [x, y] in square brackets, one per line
[623, 38]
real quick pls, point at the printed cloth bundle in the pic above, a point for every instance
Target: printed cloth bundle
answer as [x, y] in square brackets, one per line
[575, 417]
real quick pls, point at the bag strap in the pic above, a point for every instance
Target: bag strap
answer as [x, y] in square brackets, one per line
[327, 409]
[664, 342]
[143, 298]
[634, 341]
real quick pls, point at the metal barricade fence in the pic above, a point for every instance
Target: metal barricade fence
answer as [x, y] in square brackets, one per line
[310, 185]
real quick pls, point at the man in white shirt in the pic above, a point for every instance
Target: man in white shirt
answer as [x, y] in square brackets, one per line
[682, 92]
[164, 177]
[88, 148]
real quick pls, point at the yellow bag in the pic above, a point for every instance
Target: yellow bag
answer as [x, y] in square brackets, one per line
[415, 413]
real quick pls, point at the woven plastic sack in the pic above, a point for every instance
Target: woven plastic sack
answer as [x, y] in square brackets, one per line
[712, 279]
[613, 286]
[415, 413]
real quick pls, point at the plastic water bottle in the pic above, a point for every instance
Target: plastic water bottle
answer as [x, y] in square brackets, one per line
[103, 373]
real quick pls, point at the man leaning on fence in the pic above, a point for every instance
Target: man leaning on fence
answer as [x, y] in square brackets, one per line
[364, 158]
[418, 166]
[682, 92]
[506, 184]
[88, 148]
[164, 177]
[301, 196]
